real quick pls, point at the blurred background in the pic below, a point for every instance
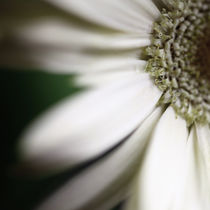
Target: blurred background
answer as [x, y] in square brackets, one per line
[26, 94]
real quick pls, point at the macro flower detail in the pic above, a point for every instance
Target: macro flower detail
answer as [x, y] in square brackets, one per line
[138, 132]
[179, 57]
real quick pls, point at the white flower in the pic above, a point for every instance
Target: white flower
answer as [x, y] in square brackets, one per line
[143, 115]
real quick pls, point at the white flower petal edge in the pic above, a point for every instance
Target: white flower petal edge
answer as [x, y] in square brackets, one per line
[62, 53]
[106, 180]
[58, 43]
[65, 36]
[193, 192]
[88, 125]
[203, 164]
[107, 78]
[159, 178]
[203, 133]
[129, 16]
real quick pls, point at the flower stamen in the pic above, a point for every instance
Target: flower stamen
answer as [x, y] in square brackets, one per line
[179, 59]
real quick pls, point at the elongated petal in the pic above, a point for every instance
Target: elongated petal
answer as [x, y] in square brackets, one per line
[41, 36]
[194, 189]
[58, 61]
[68, 35]
[161, 171]
[203, 133]
[105, 183]
[90, 124]
[124, 15]
[100, 79]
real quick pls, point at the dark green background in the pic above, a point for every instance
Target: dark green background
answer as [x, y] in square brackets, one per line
[24, 95]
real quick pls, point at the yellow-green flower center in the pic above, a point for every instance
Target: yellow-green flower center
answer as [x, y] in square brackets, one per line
[179, 58]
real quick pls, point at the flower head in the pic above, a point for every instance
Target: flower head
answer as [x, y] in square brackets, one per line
[143, 123]
[178, 59]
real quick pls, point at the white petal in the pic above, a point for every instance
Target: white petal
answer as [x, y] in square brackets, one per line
[150, 8]
[203, 133]
[90, 124]
[59, 61]
[105, 182]
[54, 43]
[192, 184]
[163, 165]
[104, 78]
[128, 16]
[194, 190]
[50, 41]
[69, 35]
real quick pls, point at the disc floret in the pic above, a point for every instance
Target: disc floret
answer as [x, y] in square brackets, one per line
[179, 58]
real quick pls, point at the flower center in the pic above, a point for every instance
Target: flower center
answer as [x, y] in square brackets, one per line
[179, 58]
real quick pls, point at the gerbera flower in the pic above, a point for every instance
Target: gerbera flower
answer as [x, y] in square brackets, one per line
[145, 118]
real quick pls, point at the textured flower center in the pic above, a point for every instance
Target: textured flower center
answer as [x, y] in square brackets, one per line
[179, 59]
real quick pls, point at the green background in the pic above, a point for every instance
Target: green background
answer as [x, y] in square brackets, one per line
[24, 95]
